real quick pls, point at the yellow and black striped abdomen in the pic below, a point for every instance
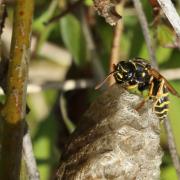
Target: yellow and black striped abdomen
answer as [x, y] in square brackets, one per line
[161, 106]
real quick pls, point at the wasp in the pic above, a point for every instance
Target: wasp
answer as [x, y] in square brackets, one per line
[139, 73]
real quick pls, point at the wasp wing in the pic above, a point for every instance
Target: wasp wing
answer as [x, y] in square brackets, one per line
[157, 75]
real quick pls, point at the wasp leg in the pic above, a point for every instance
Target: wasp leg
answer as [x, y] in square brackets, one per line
[151, 88]
[160, 90]
[141, 104]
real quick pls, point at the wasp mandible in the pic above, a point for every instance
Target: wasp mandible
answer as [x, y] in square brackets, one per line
[139, 73]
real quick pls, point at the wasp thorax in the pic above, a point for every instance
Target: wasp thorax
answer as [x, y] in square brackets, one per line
[124, 71]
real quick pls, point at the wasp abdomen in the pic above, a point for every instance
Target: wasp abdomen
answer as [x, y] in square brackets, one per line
[161, 107]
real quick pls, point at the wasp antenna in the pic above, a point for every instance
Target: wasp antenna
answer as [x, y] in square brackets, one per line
[101, 83]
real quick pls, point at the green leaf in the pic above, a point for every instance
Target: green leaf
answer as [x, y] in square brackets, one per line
[73, 38]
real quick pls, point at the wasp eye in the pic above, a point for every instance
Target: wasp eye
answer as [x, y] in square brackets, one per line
[130, 74]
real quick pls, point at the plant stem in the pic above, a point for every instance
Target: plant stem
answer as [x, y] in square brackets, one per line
[14, 110]
[114, 56]
[145, 30]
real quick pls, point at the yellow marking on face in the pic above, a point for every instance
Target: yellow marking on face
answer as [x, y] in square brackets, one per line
[123, 69]
[118, 76]
[132, 86]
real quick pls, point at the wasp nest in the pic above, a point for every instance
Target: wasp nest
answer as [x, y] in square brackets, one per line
[114, 141]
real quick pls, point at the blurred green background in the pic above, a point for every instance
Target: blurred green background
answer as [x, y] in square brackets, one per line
[61, 52]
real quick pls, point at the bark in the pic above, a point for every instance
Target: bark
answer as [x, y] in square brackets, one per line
[13, 111]
[114, 141]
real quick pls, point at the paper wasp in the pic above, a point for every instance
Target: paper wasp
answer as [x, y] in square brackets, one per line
[139, 73]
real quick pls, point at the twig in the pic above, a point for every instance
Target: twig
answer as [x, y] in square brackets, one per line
[63, 13]
[114, 56]
[29, 158]
[92, 51]
[14, 110]
[172, 146]
[171, 13]
[171, 74]
[69, 124]
[72, 84]
[171, 142]
[144, 26]
[68, 85]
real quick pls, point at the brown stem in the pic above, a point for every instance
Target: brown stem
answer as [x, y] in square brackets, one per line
[114, 56]
[13, 112]
[172, 146]
[171, 13]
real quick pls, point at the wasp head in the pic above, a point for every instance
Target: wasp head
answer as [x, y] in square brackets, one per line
[124, 71]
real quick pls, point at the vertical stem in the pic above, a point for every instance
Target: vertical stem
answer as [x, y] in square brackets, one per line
[172, 146]
[114, 56]
[14, 110]
[145, 29]
[115, 51]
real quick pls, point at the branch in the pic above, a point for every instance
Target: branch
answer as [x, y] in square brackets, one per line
[172, 146]
[171, 74]
[116, 142]
[92, 51]
[114, 56]
[171, 13]
[13, 112]
[73, 84]
[145, 29]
